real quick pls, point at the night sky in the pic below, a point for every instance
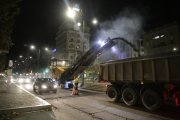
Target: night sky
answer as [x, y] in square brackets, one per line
[39, 20]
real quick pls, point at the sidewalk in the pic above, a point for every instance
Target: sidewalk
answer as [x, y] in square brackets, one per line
[20, 100]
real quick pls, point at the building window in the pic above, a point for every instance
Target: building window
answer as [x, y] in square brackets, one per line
[71, 57]
[78, 41]
[71, 46]
[71, 40]
[78, 47]
[84, 46]
[158, 36]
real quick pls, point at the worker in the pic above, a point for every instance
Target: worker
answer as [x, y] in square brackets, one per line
[75, 86]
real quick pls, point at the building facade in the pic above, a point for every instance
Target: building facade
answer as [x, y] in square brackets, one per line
[164, 39]
[72, 42]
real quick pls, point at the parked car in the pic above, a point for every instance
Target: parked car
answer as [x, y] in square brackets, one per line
[41, 85]
[3, 83]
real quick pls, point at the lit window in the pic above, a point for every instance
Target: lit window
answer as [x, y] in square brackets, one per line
[78, 47]
[156, 37]
[162, 35]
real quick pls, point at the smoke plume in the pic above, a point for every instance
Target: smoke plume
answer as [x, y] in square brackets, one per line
[128, 24]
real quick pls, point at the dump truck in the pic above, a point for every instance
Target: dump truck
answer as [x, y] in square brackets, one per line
[149, 80]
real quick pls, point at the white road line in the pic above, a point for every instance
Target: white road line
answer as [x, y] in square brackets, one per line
[33, 95]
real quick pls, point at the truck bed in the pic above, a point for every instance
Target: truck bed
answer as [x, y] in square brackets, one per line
[149, 69]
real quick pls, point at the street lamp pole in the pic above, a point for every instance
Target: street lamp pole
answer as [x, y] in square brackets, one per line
[39, 48]
[39, 53]
[83, 31]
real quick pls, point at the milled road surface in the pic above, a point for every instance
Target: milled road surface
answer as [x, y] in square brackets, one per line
[92, 106]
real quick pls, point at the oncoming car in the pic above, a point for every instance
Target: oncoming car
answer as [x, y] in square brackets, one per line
[45, 85]
[23, 80]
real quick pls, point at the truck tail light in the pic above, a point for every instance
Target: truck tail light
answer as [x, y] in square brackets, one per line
[165, 96]
[176, 97]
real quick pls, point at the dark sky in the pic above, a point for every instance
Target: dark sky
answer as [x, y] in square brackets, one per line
[39, 20]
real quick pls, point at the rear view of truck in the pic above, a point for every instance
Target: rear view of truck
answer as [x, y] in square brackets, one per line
[152, 81]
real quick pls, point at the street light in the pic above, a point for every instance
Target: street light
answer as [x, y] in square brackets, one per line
[33, 47]
[95, 21]
[71, 13]
[79, 24]
[46, 49]
[75, 13]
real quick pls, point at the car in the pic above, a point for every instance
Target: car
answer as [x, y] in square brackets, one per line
[3, 83]
[23, 80]
[42, 85]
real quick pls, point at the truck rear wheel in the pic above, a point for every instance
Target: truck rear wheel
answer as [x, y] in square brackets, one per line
[113, 93]
[129, 96]
[151, 100]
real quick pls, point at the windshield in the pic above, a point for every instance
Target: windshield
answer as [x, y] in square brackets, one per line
[44, 80]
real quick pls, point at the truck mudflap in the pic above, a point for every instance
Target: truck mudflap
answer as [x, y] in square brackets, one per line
[176, 97]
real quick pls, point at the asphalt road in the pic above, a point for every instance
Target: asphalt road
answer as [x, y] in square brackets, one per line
[90, 105]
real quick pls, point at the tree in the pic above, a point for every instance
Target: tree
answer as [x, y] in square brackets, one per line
[8, 10]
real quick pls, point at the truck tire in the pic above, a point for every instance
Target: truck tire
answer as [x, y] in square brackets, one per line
[34, 89]
[113, 93]
[129, 96]
[151, 100]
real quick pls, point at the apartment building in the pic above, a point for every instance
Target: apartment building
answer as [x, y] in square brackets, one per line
[72, 42]
[164, 39]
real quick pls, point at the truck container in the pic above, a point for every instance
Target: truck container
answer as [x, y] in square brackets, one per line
[151, 81]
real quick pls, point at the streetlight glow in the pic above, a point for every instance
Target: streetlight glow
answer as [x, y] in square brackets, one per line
[174, 49]
[46, 49]
[32, 47]
[20, 56]
[95, 22]
[79, 24]
[101, 43]
[71, 13]
[63, 63]
[76, 9]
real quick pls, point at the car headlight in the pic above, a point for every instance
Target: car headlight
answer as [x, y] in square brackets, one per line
[28, 80]
[44, 86]
[55, 86]
[20, 80]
